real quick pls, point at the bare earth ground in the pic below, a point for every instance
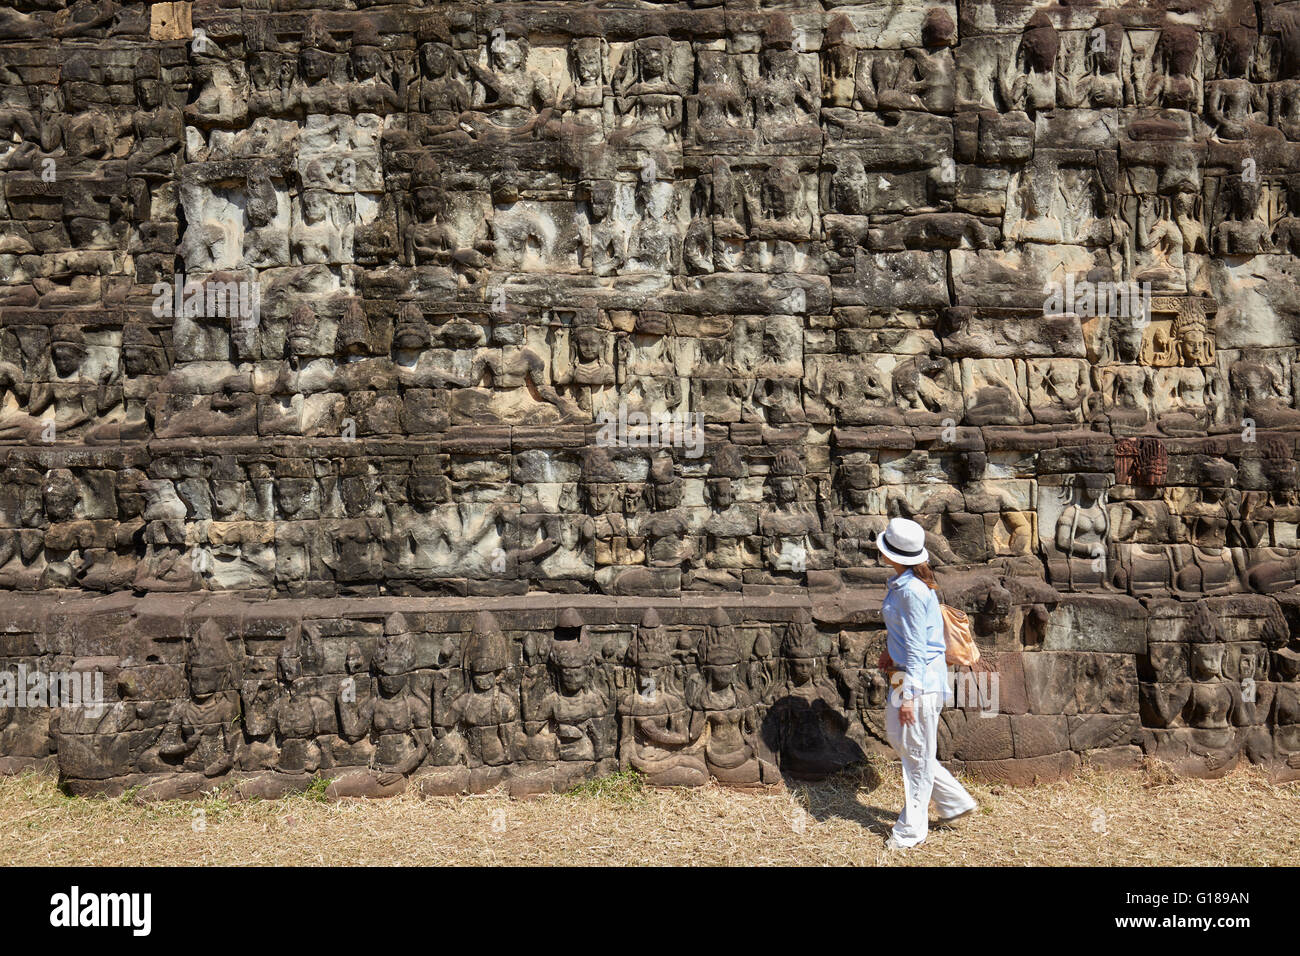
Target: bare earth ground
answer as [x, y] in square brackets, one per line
[1098, 818]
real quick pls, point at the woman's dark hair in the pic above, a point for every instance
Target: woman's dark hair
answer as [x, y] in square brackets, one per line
[926, 574]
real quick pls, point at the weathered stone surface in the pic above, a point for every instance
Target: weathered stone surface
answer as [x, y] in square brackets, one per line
[1097, 623]
[324, 330]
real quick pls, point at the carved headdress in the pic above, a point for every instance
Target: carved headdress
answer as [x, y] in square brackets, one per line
[211, 654]
[487, 650]
[720, 646]
[800, 639]
[353, 333]
[411, 331]
[396, 655]
[652, 647]
[570, 647]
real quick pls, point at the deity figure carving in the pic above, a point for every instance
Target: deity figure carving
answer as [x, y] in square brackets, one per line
[653, 245]
[924, 77]
[806, 725]
[721, 112]
[439, 94]
[1142, 530]
[1207, 565]
[647, 98]
[561, 546]
[601, 490]
[573, 720]
[784, 208]
[396, 717]
[421, 545]
[732, 523]
[1215, 707]
[1185, 211]
[612, 218]
[1187, 342]
[790, 527]
[74, 394]
[416, 364]
[315, 89]
[1036, 204]
[1058, 389]
[1285, 716]
[590, 363]
[22, 540]
[509, 100]
[479, 727]
[1285, 237]
[1243, 230]
[1257, 395]
[63, 540]
[583, 103]
[1268, 568]
[318, 235]
[266, 242]
[82, 131]
[1284, 107]
[1173, 82]
[428, 240]
[666, 527]
[1104, 83]
[199, 739]
[270, 77]
[1160, 244]
[158, 128]
[1032, 84]
[1234, 105]
[852, 191]
[303, 402]
[725, 715]
[300, 718]
[786, 102]
[511, 383]
[655, 723]
[371, 89]
[352, 747]
[839, 63]
[358, 537]
[16, 424]
[1079, 559]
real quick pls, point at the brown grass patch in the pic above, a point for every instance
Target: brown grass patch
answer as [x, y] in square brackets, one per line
[1099, 818]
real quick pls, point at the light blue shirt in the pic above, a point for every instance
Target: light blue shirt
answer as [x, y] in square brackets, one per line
[914, 634]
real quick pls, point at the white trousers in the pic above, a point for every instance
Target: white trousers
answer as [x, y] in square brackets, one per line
[923, 775]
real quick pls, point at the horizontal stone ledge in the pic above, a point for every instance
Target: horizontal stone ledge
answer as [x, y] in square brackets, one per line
[24, 613]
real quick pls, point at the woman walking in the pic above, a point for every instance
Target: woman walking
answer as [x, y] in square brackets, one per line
[918, 673]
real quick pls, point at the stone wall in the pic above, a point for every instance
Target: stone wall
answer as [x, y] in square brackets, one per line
[323, 331]
[453, 694]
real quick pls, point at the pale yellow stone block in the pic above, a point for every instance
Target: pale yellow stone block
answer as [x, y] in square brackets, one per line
[170, 21]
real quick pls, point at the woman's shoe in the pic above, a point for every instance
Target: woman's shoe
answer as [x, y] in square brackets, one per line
[893, 844]
[949, 821]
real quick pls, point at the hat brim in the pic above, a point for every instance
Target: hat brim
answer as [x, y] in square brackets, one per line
[897, 557]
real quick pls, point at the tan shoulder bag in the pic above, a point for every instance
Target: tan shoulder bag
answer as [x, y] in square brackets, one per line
[958, 638]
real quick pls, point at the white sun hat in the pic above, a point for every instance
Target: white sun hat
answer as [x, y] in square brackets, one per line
[903, 542]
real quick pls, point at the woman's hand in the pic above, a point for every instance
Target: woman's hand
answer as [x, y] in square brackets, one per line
[885, 663]
[907, 712]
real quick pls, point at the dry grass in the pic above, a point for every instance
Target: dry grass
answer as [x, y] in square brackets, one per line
[1100, 818]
